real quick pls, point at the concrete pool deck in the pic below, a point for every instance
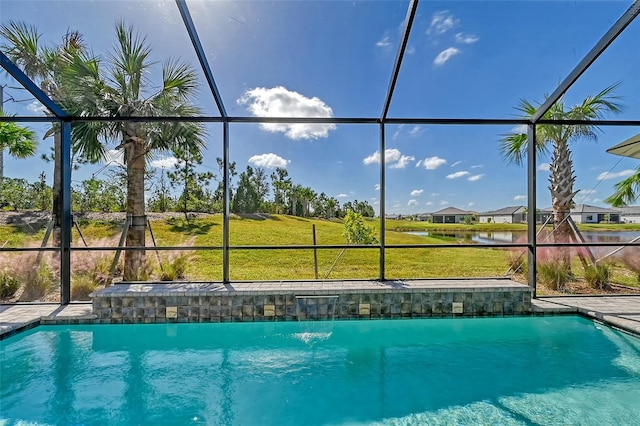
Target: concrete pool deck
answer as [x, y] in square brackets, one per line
[619, 311]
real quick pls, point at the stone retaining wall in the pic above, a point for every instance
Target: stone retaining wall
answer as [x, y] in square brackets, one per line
[216, 306]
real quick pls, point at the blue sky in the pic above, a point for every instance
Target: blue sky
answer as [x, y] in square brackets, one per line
[334, 59]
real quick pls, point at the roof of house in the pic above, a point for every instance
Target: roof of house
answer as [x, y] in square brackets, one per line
[504, 211]
[630, 210]
[453, 211]
[585, 208]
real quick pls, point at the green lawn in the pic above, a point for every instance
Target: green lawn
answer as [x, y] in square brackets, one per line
[288, 264]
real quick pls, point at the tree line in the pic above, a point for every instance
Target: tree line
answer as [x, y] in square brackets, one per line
[185, 189]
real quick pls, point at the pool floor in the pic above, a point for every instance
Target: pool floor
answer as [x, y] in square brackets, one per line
[521, 370]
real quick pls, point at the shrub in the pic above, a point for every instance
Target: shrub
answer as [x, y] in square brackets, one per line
[555, 275]
[175, 268]
[517, 261]
[631, 258]
[598, 276]
[8, 286]
[38, 282]
[81, 287]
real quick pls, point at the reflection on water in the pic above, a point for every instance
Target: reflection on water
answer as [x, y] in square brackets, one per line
[521, 236]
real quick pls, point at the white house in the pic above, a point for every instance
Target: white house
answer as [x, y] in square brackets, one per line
[513, 214]
[584, 213]
[630, 214]
[451, 215]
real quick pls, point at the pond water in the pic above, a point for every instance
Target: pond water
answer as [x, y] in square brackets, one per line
[521, 236]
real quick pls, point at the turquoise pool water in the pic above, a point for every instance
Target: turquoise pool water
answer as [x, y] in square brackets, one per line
[510, 371]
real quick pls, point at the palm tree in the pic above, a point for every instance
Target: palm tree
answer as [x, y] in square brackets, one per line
[19, 142]
[557, 138]
[44, 65]
[122, 90]
[627, 191]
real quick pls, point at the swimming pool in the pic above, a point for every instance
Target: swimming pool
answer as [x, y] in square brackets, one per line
[522, 370]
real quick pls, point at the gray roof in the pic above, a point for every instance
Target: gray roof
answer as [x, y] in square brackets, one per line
[453, 211]
[585, 208]
[504, 211]
[630, 210]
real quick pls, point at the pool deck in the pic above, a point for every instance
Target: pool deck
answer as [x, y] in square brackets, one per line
[619, 311]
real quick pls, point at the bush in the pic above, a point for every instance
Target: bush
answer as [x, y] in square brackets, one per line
[598, 276]
[517, 261]
[555, 275]
[8, 286]
[175, 268]
[81, 287]
[39, 281]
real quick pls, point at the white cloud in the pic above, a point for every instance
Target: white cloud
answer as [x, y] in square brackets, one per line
[471, 204]
[416, 192]
[403, 161]
[475, 178]
[341, 196]
[390, 156]
[384, 42]
[477, 166]
[428, 203]
[416, 130]
[457, 175]
[544, 167]
[444, 202]
[114, 157]
[432, 163]
[397, 205]
[165, 162]
[377, 187]
[397, 133]
[418, 163]
[442, 22]
[434, 194]
[456, 163]
[281, 102]
[269, 161]
[445, 55]
[37, 107]
[411, 50]
[622, 174]
[412, 203]
[519, 197]
[520, 128]
[466, 38]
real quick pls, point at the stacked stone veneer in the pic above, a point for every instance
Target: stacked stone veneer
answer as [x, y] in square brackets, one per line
[210, 303]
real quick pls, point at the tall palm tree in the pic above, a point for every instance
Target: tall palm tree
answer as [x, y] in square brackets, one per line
[18, 141]
[122, 89]
[627, 191]
[44, 65]
[557, 138]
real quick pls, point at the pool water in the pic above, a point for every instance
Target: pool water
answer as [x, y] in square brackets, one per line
[509, 371]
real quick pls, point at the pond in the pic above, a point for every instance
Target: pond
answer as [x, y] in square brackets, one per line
[493, 237]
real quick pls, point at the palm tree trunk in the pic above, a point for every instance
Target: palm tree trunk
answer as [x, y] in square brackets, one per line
[134, 261]
[57, 197]
[562, 179]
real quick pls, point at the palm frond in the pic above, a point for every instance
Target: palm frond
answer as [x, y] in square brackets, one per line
[23, 48]
[627, 191]
[178, 78]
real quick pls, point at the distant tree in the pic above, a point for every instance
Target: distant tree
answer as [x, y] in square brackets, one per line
[41, 194]
[161, 199]
[246, 198]
[281, 184]
[14, 193]
[558, 137]
[192, 182]
[260, 183]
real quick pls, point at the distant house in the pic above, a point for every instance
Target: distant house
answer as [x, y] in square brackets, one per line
[393, 217]
[512, 214]
[630, 214]
[450, 215]
[584, 213]
[424, 217]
